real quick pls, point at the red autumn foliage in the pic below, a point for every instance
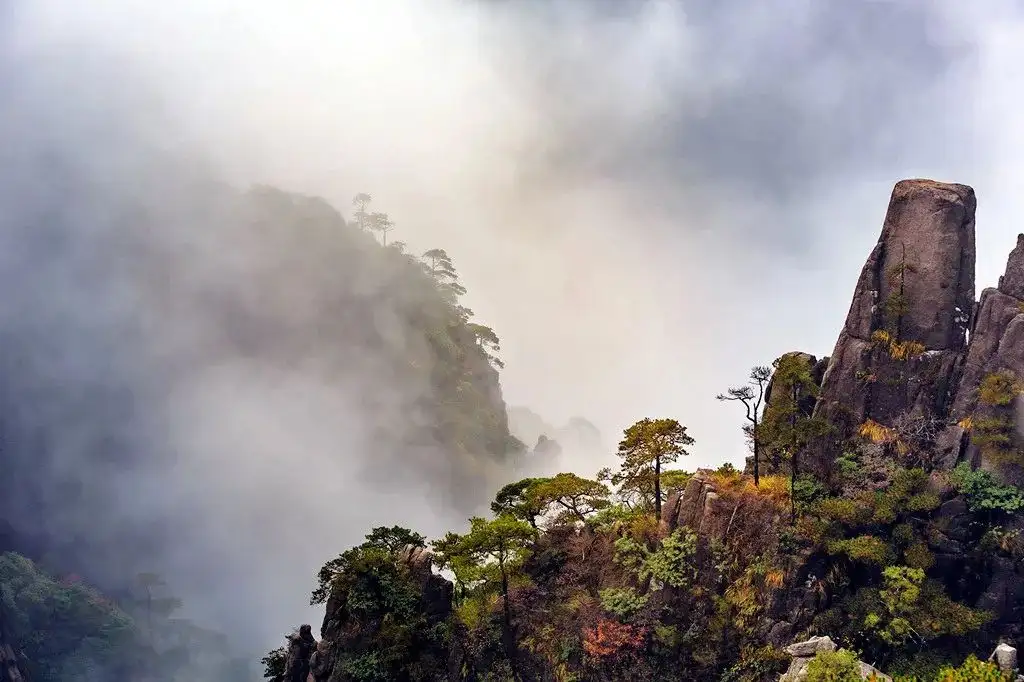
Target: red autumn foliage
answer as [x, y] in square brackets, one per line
[611, 637]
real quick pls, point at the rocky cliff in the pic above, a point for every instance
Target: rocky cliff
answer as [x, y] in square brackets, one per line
[886, 537]
[905, 334]
[985, 405]
[917, 355]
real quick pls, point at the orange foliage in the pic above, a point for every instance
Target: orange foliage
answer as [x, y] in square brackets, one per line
[611, 637]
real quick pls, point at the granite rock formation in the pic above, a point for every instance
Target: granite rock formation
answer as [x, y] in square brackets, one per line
[804, 652]
[996, 350]
[906, 330]
[916, 345]
[345, 631]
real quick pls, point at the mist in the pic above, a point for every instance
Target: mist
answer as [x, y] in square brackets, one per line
[643, 199]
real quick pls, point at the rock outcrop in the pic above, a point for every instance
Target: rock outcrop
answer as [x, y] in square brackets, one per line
[299, 650]
[345, 632]
[916, 346]
[10, 670]
[815, 367]
[10, 661]
[906, 329]
[996, 350]
[1004, 657]
[804, 652]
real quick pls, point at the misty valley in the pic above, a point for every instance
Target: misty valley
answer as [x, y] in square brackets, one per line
[519, 341]
[874, 530]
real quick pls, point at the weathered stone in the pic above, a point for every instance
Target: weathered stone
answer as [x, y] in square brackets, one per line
[346, 630]
[918, 286]
[803, 653]
[929, 226]
[811, 647]
[670, 510]
[321, 663]
[867, 671]
[998, 596]
[693, 502]
[10, 670]
[779, 633]
[1005, 656]
[814, 366]
[1011, 282]
[996, 345]
[299, 650]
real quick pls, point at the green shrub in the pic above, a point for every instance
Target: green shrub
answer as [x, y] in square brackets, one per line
[834, 666]
[983, 492]
[672, 563]
[919, 556]
[972, 670]
[999, 389]
[839, 509]
[622, 602]
[864, 548]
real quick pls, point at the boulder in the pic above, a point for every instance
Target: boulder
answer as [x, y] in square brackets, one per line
[1005, 656]
[811, 647]
[804, 652]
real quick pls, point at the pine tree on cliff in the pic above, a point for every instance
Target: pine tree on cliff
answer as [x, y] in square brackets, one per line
[503, 544]
[789, 428]
[646, 447]
[360, 202]
[381, 222]
[751, 396]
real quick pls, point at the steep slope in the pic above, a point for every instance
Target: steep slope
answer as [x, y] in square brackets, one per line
[877, 540]
[139, 326]
[905, 333]
[302, 293]
[995, 360]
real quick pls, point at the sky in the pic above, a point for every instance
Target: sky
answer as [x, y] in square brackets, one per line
[644, 199]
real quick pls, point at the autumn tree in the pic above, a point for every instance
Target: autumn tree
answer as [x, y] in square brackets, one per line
[751, 397]
[488, 555]
[362, 217]
[645, 448]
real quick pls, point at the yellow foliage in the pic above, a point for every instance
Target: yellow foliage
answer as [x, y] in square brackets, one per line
[775, 578]
[882, 435]
[881, 336]
[775, 487]
[876, 433]
[999, 388]
[904, 350]
[898, 350]
[966, 423]
[731, 478]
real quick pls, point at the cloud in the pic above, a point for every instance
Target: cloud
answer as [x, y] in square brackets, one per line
[644, 199]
